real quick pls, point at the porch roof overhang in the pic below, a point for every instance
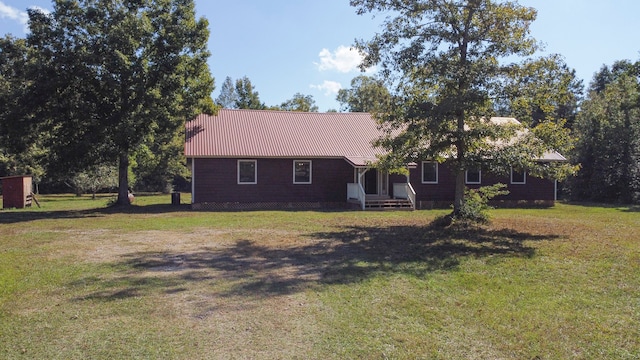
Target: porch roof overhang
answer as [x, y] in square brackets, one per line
[551, 156]
[361, 161]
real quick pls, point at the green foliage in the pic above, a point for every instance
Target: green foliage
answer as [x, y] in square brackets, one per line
[608, 129]
[544, 89]
[476, 203]
[114, 73]
[246, 96]
[367, 94]
[158, 162]
[95, 179]
[228, 96]
[449, 62]
[21, 143]
[300, 102]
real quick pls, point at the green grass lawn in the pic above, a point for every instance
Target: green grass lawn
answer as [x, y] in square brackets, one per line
[79, 280]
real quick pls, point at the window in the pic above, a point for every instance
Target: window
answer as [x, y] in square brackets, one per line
[473, 176]
[429, 172]
[518, 176]
[302, 172]
[247, 172]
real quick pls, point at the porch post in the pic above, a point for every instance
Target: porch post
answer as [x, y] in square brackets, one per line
[361, 173]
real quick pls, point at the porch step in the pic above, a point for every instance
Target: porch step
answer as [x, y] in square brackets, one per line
[388, 204]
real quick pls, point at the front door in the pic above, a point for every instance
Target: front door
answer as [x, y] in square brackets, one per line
[376, 182]
[371, 182]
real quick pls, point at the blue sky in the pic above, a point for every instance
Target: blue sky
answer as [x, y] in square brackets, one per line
[290, 46]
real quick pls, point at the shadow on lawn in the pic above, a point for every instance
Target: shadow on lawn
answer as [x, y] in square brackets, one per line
[12, 217]
[349, 255]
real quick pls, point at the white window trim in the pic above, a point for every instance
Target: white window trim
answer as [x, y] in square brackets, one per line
[437, 172]
[255, 172]
[310, 172]
[466, 178]
[524, 175]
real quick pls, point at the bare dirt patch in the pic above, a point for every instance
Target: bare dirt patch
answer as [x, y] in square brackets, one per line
[238, 297]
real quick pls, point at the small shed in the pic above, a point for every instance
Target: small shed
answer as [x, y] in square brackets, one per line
[16, 191]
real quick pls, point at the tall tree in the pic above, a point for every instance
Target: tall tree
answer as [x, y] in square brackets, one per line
[247, 97]
[228, 96]
[114, 72]
[300, 102]
[367, 94]
[608, 131]
[21, 148]
[448, 60]
[546, 90]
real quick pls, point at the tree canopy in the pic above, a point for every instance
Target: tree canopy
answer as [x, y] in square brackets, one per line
[228, 96]
[608, 132]
[246, 96]
[300, 102]
[545, 90]
[447, 62]
[367, 94]
[21, 145]
[112, 73]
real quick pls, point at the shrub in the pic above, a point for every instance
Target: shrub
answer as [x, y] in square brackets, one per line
[476, 203]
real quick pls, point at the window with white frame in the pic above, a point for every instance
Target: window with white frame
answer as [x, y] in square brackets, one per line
[247, 172]
[518, 176]
[302, 172]
[473, 176]
[429, 172]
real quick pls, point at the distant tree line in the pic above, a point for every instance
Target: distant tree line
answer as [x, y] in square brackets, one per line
[243, 95]
[607, 132]
[98, 92]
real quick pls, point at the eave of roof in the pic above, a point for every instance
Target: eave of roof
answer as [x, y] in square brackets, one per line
[285, 134]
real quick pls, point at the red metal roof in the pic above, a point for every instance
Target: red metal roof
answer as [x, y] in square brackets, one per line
[264, 133]
[288, 134]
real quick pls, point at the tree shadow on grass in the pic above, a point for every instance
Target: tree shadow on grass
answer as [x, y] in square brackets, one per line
[348, 255]
[23, 216]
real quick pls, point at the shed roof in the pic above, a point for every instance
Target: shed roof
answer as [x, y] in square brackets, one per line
[236, 133]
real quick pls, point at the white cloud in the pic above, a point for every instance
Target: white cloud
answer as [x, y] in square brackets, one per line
[12, 13]
[21, 17]
[329, 87]
[344, 59]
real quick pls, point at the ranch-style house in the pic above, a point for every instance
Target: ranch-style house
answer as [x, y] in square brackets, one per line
[260, 159]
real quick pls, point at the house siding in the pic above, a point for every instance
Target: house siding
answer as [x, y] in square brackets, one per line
[534, 191]
[216, 181]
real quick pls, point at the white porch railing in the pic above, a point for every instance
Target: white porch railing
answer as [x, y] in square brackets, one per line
[405, 191]
[355, 191]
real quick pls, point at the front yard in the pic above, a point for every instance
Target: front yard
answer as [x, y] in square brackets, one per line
[78, 280]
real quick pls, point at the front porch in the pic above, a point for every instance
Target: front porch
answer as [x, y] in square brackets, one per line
[370, 191]
[383, 203]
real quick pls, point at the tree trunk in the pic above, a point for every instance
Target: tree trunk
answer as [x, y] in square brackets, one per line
[123, 180]
[461, 152]
[459, 194]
